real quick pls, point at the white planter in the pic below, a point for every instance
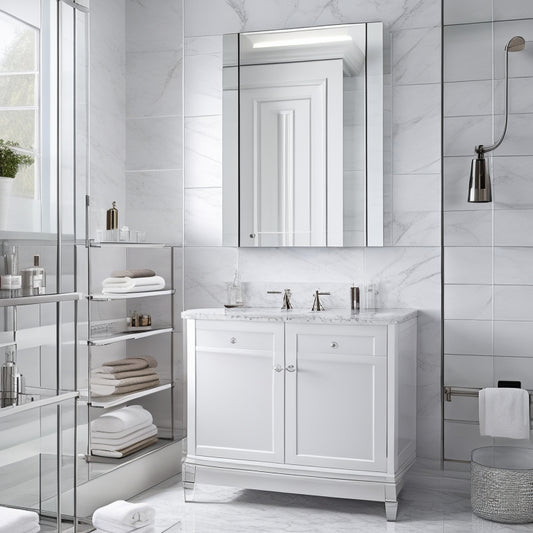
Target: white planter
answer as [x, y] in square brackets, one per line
[6, 184]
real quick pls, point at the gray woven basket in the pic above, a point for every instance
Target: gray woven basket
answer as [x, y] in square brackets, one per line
[502, 484]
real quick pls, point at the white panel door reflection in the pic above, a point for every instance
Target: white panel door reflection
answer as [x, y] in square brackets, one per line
[291, 153]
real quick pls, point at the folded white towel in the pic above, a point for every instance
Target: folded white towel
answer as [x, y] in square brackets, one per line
[119, 434]
[122, 419]
[121, 285]
[122, 516]
[504, 412]
[124, 452]
[103, 374]
[122, 382]
[128, 364]
[19, 521]
[114, 445]
[108, 390]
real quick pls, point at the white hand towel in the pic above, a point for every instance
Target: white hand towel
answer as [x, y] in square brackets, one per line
[121, 419]
[12, 520]
[121, 285]
[119, 434]
[124, 516]
[114, 445]
[504, 412]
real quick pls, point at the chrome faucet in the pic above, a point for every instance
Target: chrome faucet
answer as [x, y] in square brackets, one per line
[317, 305]
[354, 298]
[286, 305]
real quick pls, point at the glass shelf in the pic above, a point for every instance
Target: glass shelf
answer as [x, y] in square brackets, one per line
[127, 244]
[100, 297]
[105, 402]
[12, 297]
[35, 398]
[127, 336]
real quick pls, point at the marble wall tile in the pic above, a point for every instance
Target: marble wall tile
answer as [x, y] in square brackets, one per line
[428, 437]
[416, 192]
[469, 337]
[519, 63]
[155, 204]
[513, 302]
[468, 265]
[203, 151]
[463, 134]
[462, 408]
[513, 369]
[513, 227]
[512, 186]
[513, 338]
[468, 228]
[416, 228]
[203, 215]
[468, 371]
[460, 438]
[153, 82]
[416, 129]
[468, 98]
[512, 266]
[518, 9]
[468, 302]
[153, 143]
[413, 56]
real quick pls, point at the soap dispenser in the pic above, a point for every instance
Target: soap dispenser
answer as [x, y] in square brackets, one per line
[112, 217]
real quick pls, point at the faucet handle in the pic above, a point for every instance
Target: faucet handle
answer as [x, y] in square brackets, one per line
[317, 305]
[286, 305]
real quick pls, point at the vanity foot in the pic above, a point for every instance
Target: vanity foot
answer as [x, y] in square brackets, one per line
[188, 474]
[391, 510]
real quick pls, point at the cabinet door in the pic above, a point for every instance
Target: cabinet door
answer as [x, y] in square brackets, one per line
[239, 390]
[336, 397]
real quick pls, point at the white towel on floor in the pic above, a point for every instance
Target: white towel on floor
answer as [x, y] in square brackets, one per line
[118, 444]
[122, 516]
[504, 412]
[122, 419]
[19, 521]
[121, 285]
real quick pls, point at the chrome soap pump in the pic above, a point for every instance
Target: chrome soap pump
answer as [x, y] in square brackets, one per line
[112, 217]
[10, 380]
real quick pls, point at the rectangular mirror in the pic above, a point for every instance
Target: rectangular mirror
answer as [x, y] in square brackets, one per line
[303, 137]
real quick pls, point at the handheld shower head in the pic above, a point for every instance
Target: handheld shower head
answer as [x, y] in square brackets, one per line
[516, 44]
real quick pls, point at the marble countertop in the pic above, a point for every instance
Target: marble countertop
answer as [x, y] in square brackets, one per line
[332, 316]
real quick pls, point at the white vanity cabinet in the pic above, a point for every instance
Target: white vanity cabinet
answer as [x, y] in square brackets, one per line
[311, 403]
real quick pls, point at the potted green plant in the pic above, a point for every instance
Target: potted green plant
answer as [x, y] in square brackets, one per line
[11, 158]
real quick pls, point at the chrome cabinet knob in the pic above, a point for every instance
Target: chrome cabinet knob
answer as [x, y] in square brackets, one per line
[334, 344]
[278, 368]
[233, 340]
[252, 235]
[291, 368]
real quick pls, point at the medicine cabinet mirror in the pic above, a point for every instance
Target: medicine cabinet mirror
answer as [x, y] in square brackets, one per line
[303, 137]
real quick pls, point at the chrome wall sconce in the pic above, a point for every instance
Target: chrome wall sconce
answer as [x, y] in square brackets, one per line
[479, 188]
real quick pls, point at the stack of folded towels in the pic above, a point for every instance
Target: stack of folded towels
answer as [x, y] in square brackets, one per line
[124, 517]
[124, 376]
[18, 521]
[134, 280]
[122, 432]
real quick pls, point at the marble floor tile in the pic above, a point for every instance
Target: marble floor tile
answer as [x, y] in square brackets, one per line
[225, 509]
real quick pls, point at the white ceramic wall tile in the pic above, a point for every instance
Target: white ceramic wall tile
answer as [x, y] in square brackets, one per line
[463, 134]
[203, 44]
[512, 266]
[513, 227]
[468, 228]
[153, 83]
[416, 129]
[512, 186]
[462, 408]
[460, 12]
[456, 176]
[416, 192]
[468, 302]
[429, 334]
[519, 63]
[468, 371]
[513, 338]
[203, 151]
[468, 98]
[416, 228]
[518, 137]
[413, 56]
[428, 393]
[513, 302]
[519, 89]
[153, 28]
[203, 84]
[470, 337]
[468, 52]
[517, 9]
[428, 437]
[203, 216]
[514, 369]
[460, 438]
[153, 143]
[155, 204]
[468, 265]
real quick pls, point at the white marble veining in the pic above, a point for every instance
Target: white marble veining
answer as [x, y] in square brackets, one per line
[512, 183]
[330, 316]
[468, 227]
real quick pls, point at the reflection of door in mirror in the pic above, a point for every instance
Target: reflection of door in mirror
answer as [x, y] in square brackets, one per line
[291, 120]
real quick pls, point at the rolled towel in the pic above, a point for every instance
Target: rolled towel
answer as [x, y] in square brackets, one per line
[121, 375]
[111, 390]
[124, 452]
[133, 273]
[122, 516]
[123, 381]
[122, 419]
[113, 445]
[17, 520]
[119, 434]
[127, 284]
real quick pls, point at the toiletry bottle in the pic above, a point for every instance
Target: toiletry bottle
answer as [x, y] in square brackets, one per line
[39, 276]
[371, 295]
[8, 379]
[112, 217]
[237, 289]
